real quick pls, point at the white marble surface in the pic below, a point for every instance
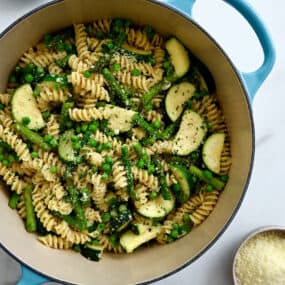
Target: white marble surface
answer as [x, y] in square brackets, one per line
[264, 202]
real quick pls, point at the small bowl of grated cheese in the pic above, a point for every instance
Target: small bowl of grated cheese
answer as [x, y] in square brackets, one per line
[260, 259]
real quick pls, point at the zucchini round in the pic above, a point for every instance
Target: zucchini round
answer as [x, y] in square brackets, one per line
[176, 97]
[24, 105]
[157, 208]
[190, 134]
[185, 180]
[178, 56]
[212, 151]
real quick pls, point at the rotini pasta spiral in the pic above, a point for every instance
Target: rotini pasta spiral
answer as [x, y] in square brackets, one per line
[88, 115]
[78, 64]
[138, 38]
[48, 95]
[102, 25]
[81, 40]
[52, 126]
[16, 143]
[56, 242]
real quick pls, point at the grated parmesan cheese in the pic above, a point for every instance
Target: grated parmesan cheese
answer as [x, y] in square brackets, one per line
[261, 260]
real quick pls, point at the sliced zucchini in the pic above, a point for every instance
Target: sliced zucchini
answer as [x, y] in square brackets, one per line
[212, 151]
[178, 56]
[185, 180]
[120, 119]
[139, 228]
[190, 134]
[157, 208]
[65, 147]
[92, 252]
[176, 97]
[135, 50]
[130, 241]
[24, 105]
[122, 220]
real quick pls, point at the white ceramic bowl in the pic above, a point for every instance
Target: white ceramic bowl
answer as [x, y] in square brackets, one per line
[250, 236]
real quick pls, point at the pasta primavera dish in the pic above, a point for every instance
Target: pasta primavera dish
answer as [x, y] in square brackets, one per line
[111, 138]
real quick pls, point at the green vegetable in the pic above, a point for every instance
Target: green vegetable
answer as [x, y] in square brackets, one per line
[74, 222]
[31, 223]
[66, 148]
[127, 164]
[13, 201]
[216, 183]
[64, 115]
[138, 119]
[92, 252]
[155, 89]
[79, 211]
[25, 109]
[116, 87]
[32, 136]
[53, 169]
[121, 220]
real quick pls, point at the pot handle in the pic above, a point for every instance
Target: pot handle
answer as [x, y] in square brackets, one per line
[30, 277]
[252, 80]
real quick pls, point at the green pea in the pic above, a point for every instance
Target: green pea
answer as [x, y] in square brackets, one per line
[34, 154]
[116, 67]
[40, 70]
[78, 129]
[123, 208]
[108, 160]
[156, 124]
[185, 228]
[48, 138]
[87, 74]
[108, 145]
[174, 234]
[151, 169]
[53, 169]
[175, 226]
[45, 115]
[135, 72]
[207, 174]
[101, 227]
[61, 47]
[5, 162]
[26, 120]
[186, 218]
[77, 145]
[176, 187]
[92, 142]
[93, 127]
[209, 188]
[18, 68]
[137, 147]
[224, 178]
[106, 217]
[74, 138]
[99, 148]
[140, 163]
[29, 78]
[36, 93]
[114, 213]
[149, 107]
[11, 158]
[53, 143]
[68, 48]
[105, 176]
[2, 106]
[107, 167]
[153, 194]
[84, 128]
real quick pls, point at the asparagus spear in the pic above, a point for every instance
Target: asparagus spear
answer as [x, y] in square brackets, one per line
[31, 223]
[13, 201]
